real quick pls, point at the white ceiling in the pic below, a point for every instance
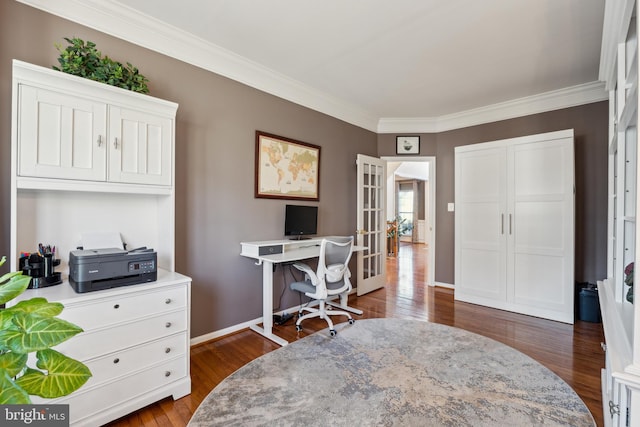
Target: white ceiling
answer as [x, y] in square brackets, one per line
[378, 59]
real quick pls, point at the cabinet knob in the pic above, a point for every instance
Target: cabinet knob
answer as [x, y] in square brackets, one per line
[167, 301]
[168, 324]
[167, 373]
[117, 306]
[167, 350]
[116, 360]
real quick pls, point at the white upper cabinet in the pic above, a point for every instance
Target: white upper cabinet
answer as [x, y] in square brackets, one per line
[75, 129]
[140, 147]
[61, 136]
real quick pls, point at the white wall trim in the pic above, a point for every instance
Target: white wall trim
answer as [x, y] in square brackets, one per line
[128, 24]
[222, 332]
[444, 285]
[548, 101]
[115, 19]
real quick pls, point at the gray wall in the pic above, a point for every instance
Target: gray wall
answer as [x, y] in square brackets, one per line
[590, 127]
[215, 204]
[215, 143]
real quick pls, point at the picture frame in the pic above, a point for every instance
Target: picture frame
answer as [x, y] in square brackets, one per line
[286, 168]
[408, 144]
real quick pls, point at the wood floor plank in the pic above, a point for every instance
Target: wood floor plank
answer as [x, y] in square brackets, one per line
[572, 352]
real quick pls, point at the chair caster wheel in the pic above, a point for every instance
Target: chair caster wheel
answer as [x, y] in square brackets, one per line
[352, 321]
[333, 332]
[298, 328]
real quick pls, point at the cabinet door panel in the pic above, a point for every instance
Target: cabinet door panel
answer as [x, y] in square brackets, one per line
[536, 228]
[61, 136]
[480, 224]
[480, 274]
[540, 249]
[140, 147]
[539, 282]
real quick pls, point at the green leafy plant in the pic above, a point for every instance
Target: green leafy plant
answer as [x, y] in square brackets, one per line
[401, 227]
[31, 326]
[83, 59]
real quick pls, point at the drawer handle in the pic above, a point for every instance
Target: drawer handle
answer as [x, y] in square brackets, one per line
[167, 373]
[168, 324]
[115, 142]
[167, 350]
[117, 306]
[116, 360]
[167, 301]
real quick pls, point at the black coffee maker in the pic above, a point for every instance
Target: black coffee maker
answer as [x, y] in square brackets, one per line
[41, 269]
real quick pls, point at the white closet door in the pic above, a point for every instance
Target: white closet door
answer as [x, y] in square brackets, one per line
[480, 211]
[514, 225]
[541, 231]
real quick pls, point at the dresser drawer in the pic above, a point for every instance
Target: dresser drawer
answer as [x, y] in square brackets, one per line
[102, 312]
[88, 345]
[126, 362]
[120, 392]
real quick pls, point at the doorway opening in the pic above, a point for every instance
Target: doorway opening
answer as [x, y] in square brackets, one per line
[410, 207]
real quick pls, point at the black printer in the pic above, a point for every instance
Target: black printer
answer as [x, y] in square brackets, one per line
[97, 269]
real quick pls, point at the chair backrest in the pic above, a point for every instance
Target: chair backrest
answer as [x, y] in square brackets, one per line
[335, 254]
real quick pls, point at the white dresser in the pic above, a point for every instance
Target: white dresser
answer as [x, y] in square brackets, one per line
[135, 342]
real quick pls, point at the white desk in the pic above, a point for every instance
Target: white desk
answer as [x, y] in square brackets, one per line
[271, 252]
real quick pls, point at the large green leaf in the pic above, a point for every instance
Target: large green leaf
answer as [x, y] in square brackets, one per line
[64, 375]
[39, 306]
[35, 305]
[32, 332]
[11, 285]
[11, 393]
[13, 363]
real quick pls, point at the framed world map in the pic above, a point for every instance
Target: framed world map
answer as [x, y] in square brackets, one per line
[286, 168]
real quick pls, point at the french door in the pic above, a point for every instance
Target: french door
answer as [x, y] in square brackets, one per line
[371, 224]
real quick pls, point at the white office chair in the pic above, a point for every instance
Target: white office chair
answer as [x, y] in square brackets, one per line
[330, 279]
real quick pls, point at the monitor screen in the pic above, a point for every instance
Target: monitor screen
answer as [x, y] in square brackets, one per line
[300, 220]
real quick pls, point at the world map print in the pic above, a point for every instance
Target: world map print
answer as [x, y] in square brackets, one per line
[287, 169]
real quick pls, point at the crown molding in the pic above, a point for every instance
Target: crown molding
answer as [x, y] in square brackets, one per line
[548, 101]
[118, 20]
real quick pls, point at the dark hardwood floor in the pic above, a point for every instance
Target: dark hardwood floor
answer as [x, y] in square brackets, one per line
[573, 352]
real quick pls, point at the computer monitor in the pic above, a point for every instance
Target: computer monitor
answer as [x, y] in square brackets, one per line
[300, 221]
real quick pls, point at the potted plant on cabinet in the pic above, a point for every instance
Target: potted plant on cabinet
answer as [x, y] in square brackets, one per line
[28, 327]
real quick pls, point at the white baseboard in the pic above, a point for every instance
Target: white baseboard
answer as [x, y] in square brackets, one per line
[240, 326]
[444, 285]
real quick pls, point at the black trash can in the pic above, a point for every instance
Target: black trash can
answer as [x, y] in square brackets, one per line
[589, 305]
